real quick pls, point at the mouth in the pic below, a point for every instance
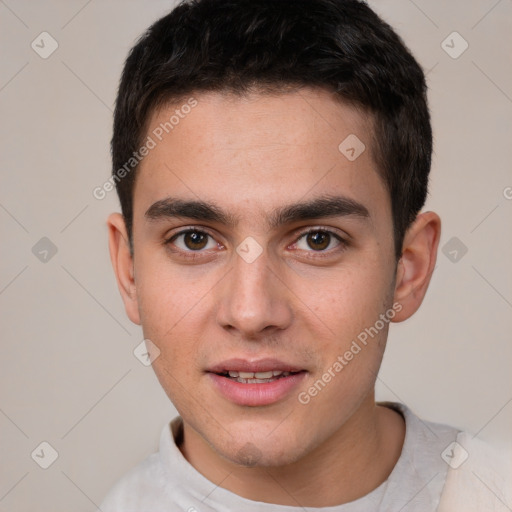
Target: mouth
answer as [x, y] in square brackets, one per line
[258, 383]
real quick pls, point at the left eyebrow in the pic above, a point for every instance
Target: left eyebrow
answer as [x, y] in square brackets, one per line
[323, 206]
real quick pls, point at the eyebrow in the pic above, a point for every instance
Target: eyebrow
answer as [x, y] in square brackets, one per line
[324, 206]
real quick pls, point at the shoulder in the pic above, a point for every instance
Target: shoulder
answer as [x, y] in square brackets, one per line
[128, 493]
[471, 475]
[479, 477]
[148, 484]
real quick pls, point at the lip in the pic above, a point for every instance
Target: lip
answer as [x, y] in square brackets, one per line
[261, 365]
[256, 394]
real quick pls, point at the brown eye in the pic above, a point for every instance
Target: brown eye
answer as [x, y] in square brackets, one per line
[318, 240]
[195, 240]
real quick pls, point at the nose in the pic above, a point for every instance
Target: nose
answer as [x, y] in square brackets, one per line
[253, 299]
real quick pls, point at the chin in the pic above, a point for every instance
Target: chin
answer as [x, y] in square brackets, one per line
[254, 451]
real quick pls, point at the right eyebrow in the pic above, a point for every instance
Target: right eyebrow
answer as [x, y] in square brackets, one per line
[199, 210]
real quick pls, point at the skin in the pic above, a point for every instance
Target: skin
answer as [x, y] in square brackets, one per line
[295, 302]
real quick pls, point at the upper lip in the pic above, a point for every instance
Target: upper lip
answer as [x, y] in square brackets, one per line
[261, 365]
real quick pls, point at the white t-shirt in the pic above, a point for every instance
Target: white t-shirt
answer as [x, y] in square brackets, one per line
[165, 481]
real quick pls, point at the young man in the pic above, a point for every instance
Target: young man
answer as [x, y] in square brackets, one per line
[271, 160]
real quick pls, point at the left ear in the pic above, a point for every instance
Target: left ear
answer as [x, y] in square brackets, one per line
[415, 267]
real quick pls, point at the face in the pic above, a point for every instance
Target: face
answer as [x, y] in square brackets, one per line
[260, 246]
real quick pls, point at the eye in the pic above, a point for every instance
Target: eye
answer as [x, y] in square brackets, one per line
[192, 240]
[318, 240]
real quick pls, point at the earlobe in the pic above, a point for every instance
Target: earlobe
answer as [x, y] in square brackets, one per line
[122, 262]
[415, 267]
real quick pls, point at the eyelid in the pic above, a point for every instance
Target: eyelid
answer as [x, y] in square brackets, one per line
[187, 228]
[324, 229]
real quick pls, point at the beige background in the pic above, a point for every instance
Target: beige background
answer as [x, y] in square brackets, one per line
[68, 375]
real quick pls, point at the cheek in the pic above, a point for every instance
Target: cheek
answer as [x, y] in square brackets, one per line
[349, 345]
[348, 301]
[172, 314]
[165, 296]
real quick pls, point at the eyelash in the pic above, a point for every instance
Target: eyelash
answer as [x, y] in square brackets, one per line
[343, 243]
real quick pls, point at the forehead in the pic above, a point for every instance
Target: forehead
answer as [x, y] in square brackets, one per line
[258, 151]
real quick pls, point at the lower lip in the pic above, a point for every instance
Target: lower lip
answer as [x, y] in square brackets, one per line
[256, 394]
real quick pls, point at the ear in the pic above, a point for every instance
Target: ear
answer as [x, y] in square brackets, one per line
[122, 261]
[415, 267]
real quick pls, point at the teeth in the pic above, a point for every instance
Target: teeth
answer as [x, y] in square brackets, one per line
[257, 377]
[264, 375]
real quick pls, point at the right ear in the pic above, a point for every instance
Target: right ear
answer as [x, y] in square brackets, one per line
[122, 261]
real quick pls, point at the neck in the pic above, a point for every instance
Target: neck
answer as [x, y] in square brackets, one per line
[348, 465]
